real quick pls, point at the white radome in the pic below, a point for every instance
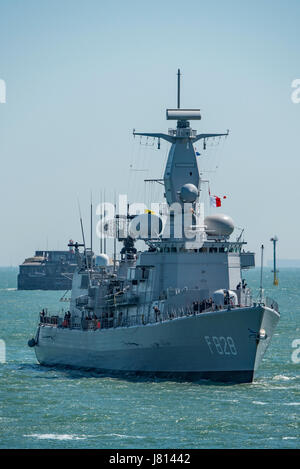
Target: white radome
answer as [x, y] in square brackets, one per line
[145, 226]
[219, 225]
[102, 260]
[188, 193]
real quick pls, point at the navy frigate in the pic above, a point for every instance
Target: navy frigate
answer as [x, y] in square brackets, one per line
[180, 308]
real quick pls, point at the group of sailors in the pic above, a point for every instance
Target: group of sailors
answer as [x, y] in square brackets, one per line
[91, 322]
[45, 319]
[242, 285]
[67, 319]
[199, 306]
[107, 320]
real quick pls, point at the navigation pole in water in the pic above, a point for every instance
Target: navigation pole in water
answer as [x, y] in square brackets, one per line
[275, 271]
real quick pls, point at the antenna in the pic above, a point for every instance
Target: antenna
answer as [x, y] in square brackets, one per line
[91, 222]
[82, 231]
[100, 238]
[261, 274]
[178, 88]
[104, 234]
[83, 238]
[115, 235]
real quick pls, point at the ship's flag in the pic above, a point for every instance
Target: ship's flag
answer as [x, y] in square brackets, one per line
[215, 201]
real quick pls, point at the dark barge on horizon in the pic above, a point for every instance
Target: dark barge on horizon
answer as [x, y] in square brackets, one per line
[47, 270]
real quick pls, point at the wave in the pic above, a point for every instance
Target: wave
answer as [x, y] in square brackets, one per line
[55, 436]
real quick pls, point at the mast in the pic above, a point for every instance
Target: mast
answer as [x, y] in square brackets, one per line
[275, 271]
[91, 223]
[181, 176]
[261, 274]
[104, 234]
[100, 240]
[115, 235]
[178, 89]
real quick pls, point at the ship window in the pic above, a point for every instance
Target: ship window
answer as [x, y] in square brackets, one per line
[222, 250]
[173, 249]
[84, 282]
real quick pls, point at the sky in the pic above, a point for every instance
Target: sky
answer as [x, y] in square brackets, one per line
[81, 75]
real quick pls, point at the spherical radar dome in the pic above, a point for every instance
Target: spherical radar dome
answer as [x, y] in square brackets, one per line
[145, 226]
[219, 225]
[188, 193]
[102, 260]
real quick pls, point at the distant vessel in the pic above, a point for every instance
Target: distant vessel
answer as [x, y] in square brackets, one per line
[181, 307]
[47, 270]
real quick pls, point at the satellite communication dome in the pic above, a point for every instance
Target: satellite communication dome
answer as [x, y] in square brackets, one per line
[188, 193]
[219, 296]
[219, 225]
[102, 260]
[145, 226]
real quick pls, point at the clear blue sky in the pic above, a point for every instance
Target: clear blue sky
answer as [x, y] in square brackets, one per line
[80, 75]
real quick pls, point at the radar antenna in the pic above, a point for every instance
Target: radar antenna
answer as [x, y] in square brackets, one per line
[178, 88]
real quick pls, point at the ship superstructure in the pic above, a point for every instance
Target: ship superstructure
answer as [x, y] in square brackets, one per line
[180, 307]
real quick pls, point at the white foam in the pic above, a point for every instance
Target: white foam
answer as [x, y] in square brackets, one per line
[54, 436]
[124, 436]
[282, 377]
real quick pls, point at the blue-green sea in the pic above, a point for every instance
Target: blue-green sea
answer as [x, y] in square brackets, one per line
[61, 408]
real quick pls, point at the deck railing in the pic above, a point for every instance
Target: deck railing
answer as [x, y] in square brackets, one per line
[121, 320]
[114, 319]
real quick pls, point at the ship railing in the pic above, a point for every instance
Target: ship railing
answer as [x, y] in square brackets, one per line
[270, 303]
[244, 296]
[107, 321]
[149, 318]
[53, 320]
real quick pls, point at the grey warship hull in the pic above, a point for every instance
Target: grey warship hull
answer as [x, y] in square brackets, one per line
[225, 345]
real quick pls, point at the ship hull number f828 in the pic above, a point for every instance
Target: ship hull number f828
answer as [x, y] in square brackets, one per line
[221, 345]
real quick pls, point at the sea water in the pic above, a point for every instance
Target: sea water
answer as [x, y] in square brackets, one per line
[44, 407]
